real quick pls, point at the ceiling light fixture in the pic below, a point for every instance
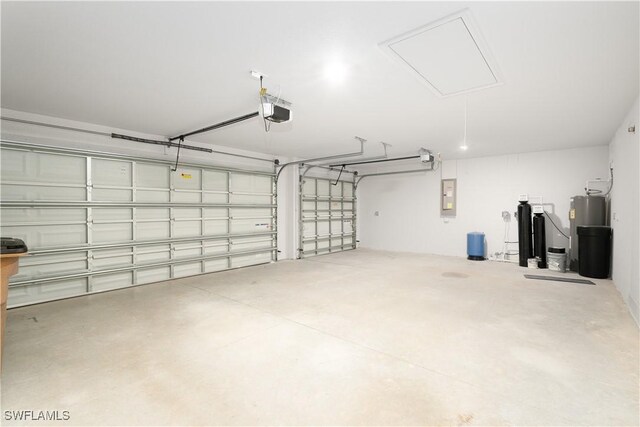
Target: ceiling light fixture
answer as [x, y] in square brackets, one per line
[336, 72]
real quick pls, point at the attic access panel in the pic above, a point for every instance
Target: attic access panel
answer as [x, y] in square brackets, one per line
[448, 55]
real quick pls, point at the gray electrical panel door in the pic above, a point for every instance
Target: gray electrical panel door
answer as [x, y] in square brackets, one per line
[95, 222]
[327, 216]
[448, 204]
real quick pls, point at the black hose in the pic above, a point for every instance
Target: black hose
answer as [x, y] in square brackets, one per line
[554, 224]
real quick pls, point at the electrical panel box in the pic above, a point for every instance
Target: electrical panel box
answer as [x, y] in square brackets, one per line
[448, 204]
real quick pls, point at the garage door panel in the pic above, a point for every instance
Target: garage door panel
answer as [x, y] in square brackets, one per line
[112, 195]
[250, 245]
[111, 233]
[106, 258]
[323, 188]
[213, 265]
[309, 187]
[153, 230]
[246, 212]
[156, 274]
[214, 198]
[34, 215]
[186, 197]
[241, 182]
[57, 168]
[241, 226]
[148, 196]
[48, 236]
[186, 228]
[249, 199]
[309, 229]
[41, 266]
[152, 213]
[60, 289]
[153, 254]
[324, 228]
[247, 260]
[111, 172]
[215, 212]
[216, 227]
[46, 292]
[347, 226]
[187, 179]
[112, 214]
[187, 269]
[152, 176]
[106, 282]
[30, 192]
[15, 164]
[187, 213]
[213, 248]
[187, 250]
[33, 175]
[215, 180]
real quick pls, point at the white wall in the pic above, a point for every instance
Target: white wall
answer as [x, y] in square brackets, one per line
[625, 214]
[409, 207]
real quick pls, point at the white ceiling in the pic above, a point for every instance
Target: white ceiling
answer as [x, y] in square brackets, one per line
[570, 72]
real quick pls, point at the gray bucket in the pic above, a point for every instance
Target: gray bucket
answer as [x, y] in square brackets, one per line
[557, 259]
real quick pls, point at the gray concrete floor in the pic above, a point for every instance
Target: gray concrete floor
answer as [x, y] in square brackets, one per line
[362, 337]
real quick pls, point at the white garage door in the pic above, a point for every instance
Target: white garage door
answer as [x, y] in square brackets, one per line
[327, 218]
[95, 222]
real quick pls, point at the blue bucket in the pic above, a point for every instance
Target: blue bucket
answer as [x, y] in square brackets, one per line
[475, 246]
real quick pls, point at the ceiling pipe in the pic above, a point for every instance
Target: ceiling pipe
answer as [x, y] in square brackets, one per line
[383, 156]
[365, 161]
[355, 187]
[317, 159]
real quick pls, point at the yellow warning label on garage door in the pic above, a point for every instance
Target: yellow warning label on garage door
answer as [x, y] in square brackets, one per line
[186, 175]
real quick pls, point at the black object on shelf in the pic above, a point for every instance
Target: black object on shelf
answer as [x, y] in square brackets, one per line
[594, 251]
[9, 245]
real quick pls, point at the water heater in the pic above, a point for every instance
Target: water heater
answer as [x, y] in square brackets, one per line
[585, 210]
